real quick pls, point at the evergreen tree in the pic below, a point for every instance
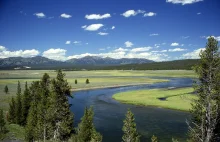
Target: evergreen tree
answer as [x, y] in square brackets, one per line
[25, 104]
[87, 81]
[6, 89]
[154, 139]
[60, 108]
[44, 123]
[206, 109]
[18, 109]
[2, 122]
[86, 131]
[11, 112]
[32, 119]
[76, 81]
[129, 128]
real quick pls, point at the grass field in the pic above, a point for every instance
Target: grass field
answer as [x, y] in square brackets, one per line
[178, 99]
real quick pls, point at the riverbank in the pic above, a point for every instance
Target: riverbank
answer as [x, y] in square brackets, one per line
[177, 99]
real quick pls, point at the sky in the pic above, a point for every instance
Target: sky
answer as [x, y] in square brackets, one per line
[158, 30]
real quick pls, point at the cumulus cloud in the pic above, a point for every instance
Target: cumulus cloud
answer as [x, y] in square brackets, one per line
[128, 44]
[113, 27]
[55, 54]
[77, 42]
[68, 42]
[84, 26]
[162, 51]
[93, 27]
[97, 16]
[120, 50]
[101, 33]
[40, 15]
[19, 53]
[129, 13]
[64, 15]
[193, 55]
[149, 14]
[154, 34]
[174, 44]
[183, 2]
[177, 50]
[199, 13]
[2, 48]
[141, 49]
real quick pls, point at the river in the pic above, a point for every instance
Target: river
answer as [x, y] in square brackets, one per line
[109, 114]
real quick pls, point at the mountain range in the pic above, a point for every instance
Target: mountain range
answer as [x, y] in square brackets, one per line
[38, 62]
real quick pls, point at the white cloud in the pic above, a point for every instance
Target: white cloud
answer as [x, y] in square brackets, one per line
[174, 44]
[77, 42]
[55, 54]
[141, 49]
[2, 48]
[149, 14]
[177, 50]
[97, 16]
[102, 49]
[93, 27]
[157, 45]
[87, 43]
[183, 2]
[40, 15]
[129, 13]
[162, 51]
[19, 53]
[113, 27]
[101, 33]
[199, 13]
[68, 42]
[154, 34]
[84, 26]
[128, 44]
[64, 15]
[120, 50]
[193, 55]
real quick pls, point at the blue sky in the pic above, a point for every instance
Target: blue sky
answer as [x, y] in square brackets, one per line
[63, 29]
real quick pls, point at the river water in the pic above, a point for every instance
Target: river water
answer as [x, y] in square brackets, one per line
[109, 114]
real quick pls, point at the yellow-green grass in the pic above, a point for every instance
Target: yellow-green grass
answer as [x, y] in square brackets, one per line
[15, 132]
[178, 99]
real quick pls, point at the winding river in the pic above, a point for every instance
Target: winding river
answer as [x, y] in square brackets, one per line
[109, 114]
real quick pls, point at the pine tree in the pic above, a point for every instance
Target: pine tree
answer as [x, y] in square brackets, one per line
[32, 119]
[87, 81]
[206, 109]
[60, 108]
[129, 128]
[86, 131]
[76, 81]
[44, 123]
[154, 139]
[11, 112]
[25, 104]
[18, 109]
[6, 89]
[2, 122]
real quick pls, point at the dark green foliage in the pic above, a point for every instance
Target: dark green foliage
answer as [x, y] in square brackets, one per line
[62, 118]
[76, 81]
[25, 104]
[18, 108]
[2, 122]
[206, 108]
[11, 112]
[154, 139]
[6, 89]
[86, 131]
[87, 81]
[2, 125]
[129, 128]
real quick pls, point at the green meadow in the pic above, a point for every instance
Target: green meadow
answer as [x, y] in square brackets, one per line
[178, 99]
